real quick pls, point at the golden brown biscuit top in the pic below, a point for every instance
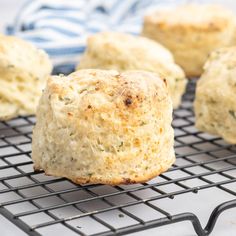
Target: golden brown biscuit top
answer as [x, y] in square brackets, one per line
[197, 17]
[93, 90]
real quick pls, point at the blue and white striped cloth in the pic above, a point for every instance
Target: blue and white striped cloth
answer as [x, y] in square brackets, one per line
[61, 26]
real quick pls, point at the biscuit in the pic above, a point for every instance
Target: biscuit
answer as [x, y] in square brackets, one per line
[23, 73]
[111, 50]
[102, 126]
[191, 32]
[215, 103]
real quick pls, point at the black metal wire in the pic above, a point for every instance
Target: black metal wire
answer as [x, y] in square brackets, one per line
[15, 138]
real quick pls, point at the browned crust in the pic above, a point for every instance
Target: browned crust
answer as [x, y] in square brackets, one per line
[219, 20]
[208, 27]
[115, 181]
[193, 75]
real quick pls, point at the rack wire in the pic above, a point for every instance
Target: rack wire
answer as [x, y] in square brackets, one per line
[40, 204]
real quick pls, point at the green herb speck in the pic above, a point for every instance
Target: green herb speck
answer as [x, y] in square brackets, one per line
[232, 113]
[143, 123]
[212, 101]
[179, 79]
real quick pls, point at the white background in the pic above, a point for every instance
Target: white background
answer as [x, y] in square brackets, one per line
[8, 9]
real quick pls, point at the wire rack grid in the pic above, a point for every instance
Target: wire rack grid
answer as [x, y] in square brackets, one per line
[40, 204]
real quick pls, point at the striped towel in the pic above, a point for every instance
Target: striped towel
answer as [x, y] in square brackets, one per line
[61, 27]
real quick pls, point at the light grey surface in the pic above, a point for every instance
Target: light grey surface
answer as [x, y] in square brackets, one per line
[8, 9]
[8, 229]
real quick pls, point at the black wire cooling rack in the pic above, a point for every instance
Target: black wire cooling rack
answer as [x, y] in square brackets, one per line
[40, 204]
